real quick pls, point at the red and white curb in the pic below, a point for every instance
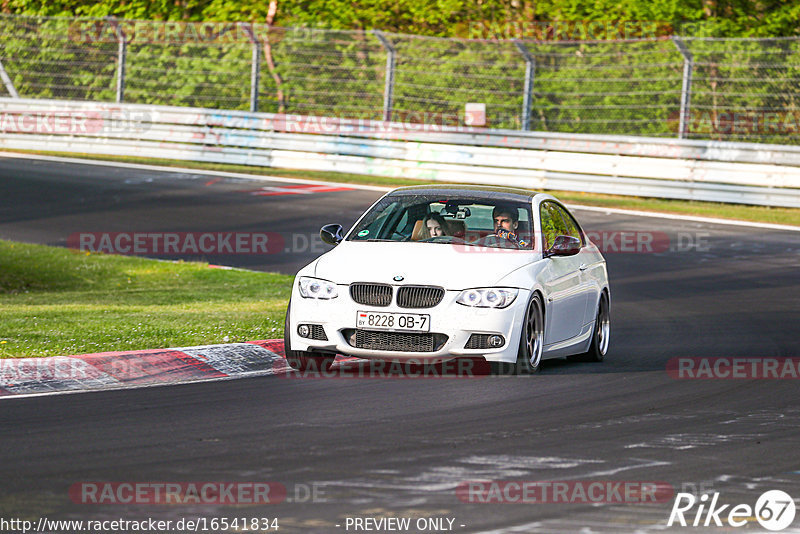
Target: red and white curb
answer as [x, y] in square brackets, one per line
[140, 368]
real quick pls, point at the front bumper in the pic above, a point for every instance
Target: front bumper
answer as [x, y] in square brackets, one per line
[455, 321]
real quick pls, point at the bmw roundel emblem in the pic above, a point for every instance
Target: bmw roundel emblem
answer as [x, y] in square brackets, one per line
[398, 278]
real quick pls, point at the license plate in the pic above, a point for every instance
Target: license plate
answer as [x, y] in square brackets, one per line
[398, 322]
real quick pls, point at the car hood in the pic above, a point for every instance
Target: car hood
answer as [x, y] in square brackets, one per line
[450, 266]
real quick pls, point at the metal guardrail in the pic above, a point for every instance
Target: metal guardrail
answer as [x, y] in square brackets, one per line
[681, 169]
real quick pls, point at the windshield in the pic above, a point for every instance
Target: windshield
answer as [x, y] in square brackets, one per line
[450, 219]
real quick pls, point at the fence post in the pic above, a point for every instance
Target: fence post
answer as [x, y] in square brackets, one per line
[388, 88]
[121, 53]
[255, 66]
[686, 88]
[527, 96]
[7, 82]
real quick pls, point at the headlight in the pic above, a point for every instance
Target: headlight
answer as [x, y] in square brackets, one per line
[314, 288]
[490, 297]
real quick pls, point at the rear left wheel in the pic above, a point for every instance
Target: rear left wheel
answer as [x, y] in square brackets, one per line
[600, 336]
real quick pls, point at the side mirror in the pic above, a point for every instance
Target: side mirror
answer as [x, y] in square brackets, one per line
[331, 234]
[565, 245]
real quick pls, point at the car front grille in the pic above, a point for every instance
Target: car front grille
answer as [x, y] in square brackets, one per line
[394, 341]
[371, 294]
[419, 296]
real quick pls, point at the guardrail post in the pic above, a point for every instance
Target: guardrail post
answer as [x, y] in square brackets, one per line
[527, 96]
[686, 88]
[121, 53]
[7, 82]
[388, 88]
[255, 67]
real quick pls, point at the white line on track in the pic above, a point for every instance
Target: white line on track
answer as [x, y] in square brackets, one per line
[183, 170]
[693, 218]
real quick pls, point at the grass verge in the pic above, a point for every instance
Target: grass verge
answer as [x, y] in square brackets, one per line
[56, 301]
[764, 214]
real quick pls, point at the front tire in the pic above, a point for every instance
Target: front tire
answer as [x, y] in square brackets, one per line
[531, 339]
[300, 359]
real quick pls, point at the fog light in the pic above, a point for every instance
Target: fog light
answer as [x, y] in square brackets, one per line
[496, 341]
[303, 330]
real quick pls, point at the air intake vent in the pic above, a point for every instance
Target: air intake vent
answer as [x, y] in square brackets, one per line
[485, 341]
[419, 296]
[371, 294]
[394, 341]
[312, 331]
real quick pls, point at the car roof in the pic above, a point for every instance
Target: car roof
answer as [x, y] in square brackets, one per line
[487, 192]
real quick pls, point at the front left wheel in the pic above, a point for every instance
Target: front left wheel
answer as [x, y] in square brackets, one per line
[300, 359]
[531, 343]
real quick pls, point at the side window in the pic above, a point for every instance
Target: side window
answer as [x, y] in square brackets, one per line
[570, 224]
[552, 223]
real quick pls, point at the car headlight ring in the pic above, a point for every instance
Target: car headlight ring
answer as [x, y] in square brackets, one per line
[488, 297]
[315, 288]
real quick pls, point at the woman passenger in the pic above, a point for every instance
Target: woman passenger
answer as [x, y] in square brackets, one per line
[434, 226]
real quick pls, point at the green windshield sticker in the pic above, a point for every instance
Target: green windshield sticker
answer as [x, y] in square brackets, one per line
[362, 233]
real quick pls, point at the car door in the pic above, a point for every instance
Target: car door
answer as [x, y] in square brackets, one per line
[588, 266]
[566, 294]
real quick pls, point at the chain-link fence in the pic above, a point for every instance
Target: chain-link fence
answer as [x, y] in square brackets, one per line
[727, 89]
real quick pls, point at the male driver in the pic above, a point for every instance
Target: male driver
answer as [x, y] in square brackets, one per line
[506, 222]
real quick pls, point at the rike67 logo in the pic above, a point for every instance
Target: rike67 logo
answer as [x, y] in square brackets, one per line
[774, 510]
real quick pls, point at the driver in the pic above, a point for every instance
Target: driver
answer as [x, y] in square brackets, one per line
[434, 225]
[506, 222]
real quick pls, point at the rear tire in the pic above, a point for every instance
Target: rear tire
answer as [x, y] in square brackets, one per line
[600, 336]
[303, 360]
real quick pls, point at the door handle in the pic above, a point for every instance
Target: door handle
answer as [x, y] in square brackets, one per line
[582, 267]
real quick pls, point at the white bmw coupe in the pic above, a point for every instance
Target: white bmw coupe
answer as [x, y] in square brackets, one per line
[432, 273]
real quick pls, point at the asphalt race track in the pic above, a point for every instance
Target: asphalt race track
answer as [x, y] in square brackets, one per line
[401, 447]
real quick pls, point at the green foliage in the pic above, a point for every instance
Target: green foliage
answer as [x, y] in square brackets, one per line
[602, 87]
[446, 18]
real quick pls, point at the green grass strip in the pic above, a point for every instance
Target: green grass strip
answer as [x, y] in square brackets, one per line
[55, 301]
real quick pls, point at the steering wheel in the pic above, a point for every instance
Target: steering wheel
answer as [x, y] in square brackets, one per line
[493, 240]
